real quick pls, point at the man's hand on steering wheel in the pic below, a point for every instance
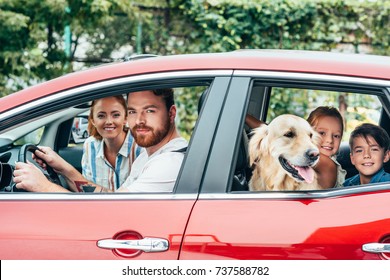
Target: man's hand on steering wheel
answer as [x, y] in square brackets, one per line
[29, 177]
[40, 156]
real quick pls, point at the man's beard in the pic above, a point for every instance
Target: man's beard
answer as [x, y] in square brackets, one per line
[157, 135]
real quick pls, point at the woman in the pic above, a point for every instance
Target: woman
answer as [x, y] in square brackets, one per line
[110, 150]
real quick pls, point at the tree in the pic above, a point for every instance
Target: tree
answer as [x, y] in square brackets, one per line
[32, 36]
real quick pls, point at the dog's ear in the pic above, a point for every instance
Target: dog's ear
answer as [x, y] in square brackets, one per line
[255, 143]
[316, 137]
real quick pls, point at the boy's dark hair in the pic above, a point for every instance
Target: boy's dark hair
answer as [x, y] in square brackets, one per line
[367, 129]
[167, 95]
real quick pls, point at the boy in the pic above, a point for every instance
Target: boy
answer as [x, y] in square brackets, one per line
[369, 150]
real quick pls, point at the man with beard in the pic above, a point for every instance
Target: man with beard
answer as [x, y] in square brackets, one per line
[152, 123]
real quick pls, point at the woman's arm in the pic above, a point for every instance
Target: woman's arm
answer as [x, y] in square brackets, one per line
[326, 170]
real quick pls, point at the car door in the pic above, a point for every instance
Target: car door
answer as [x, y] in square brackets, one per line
[116, 225]
[61, 226]
[344, 223]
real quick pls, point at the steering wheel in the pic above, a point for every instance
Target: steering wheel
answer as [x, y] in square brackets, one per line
[51, 174]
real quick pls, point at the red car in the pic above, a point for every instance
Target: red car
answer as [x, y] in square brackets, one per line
[211, 214]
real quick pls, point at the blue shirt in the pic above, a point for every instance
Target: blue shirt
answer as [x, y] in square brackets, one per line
[380, 176]
[98, 170]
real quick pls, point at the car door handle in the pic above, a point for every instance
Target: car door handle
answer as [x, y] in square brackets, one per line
[147, 244]
[376, 247]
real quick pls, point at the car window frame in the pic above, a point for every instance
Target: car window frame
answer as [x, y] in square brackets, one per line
[210, 189]
[194, 158]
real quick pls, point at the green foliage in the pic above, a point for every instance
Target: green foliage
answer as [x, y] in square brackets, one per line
[31, 36]
[317, 25]
[32, 32]
[186, 100]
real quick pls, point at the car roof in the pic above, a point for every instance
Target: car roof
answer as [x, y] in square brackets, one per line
[314, 62]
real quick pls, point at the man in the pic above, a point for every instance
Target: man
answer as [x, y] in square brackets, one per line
[152, 123]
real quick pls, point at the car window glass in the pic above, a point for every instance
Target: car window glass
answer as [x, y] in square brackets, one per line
[355, 108]
[79, 130]
[268, 102]
[34, 137]
[186, 101]
[65, 130]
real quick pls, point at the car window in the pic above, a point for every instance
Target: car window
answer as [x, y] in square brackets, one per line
[79, 130]
[33, 137]
[64, 127]
[267, 102]
[355, 108]
[186, 101]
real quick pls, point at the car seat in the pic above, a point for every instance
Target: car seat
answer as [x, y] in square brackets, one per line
[242, 170]
[345, 161]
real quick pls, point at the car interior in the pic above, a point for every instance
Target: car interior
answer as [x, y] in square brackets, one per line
[261, 105]
[63, 131]
[54, 130]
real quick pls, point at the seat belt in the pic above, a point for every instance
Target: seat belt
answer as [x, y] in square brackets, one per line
[182, 150]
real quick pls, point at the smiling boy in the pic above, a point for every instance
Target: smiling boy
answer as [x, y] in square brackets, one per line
[369, 151]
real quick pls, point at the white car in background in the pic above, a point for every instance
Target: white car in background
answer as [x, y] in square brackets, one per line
[81, 127]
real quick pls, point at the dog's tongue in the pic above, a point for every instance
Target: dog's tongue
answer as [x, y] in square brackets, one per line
[306, 173]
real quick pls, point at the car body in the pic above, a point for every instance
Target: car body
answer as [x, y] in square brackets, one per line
[210, 214]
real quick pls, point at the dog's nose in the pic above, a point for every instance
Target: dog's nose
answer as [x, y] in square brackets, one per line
[312, 154]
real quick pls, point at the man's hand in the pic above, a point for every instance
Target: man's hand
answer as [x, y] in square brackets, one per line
[28, 177]
[46, 154]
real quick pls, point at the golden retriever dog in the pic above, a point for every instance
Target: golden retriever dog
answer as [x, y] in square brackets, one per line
[283, 154]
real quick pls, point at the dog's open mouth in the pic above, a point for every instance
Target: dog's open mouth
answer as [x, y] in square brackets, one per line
[300, 173]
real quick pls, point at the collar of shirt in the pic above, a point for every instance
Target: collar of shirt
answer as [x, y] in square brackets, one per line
[355, 180]
[124, 151]
[377, 177]
[172, 145]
